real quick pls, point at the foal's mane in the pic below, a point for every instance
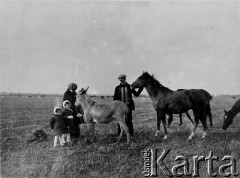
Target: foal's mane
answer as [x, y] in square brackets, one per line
[156, 84]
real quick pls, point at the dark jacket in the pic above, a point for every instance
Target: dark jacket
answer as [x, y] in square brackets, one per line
[70, 122]
[71, 96]
[130, 102]
[58, 124]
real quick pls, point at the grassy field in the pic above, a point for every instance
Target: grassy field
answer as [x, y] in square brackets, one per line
[20, 116]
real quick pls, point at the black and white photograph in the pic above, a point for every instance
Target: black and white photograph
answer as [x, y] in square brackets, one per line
[118, 89]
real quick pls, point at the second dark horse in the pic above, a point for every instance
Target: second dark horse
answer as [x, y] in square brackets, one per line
[166, 101]
[207, 97]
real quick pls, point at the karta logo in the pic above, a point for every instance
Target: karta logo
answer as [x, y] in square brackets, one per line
[153, 165]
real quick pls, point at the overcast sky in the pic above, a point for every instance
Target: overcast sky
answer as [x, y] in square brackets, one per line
[186, 44]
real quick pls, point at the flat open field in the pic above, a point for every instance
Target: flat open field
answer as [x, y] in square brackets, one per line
[20, 116]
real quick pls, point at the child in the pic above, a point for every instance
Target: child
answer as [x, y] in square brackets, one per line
[59, 127]
[68, 115]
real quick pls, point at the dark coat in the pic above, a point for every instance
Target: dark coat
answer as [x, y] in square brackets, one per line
[130, 102]
[70, 122]
[58, 124]
[71, 97]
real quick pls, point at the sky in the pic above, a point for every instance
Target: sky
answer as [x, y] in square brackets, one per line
[186, 44]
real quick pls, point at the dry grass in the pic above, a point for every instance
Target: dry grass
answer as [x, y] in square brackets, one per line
[103, 157]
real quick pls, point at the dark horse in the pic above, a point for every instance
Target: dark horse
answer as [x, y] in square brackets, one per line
[229, 115]
[166, 101]
[207, 97]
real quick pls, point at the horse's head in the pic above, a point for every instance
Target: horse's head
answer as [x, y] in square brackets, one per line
[227, 119]
[82, 95]
[141, 81]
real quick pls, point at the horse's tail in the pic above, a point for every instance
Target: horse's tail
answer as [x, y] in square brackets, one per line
[208, 107]
[207, 95]
[209, 114]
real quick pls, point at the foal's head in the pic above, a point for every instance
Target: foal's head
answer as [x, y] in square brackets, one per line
[82, 95]
[227, 119]
[142, 80]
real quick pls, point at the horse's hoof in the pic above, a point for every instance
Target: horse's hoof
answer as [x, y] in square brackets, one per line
[156, 134]
[189, 139]
[165, 137]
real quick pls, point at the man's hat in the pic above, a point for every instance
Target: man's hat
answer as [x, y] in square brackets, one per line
[122, 76]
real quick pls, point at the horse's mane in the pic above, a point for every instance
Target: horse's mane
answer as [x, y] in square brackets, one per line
[156, 84]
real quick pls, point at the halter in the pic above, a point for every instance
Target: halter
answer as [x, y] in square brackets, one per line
[93, 102]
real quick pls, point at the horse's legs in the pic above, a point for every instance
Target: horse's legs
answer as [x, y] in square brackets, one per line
[189, 117]
[164, 124]
[158, 124]
[208, 110]
[196, 117]
[203, 119]
[180, 117]
[170, 119]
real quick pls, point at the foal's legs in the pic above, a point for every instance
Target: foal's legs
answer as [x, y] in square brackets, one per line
[121, 133]
[89, 128]
[124, 126]
[93, 131]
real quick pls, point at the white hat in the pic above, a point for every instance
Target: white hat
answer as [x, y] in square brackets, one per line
[56, 110]
[66, 102]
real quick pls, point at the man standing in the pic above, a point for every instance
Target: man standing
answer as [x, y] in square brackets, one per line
[123, 92]
[70, 95]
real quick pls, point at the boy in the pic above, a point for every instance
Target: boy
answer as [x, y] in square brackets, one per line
[69, 117]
